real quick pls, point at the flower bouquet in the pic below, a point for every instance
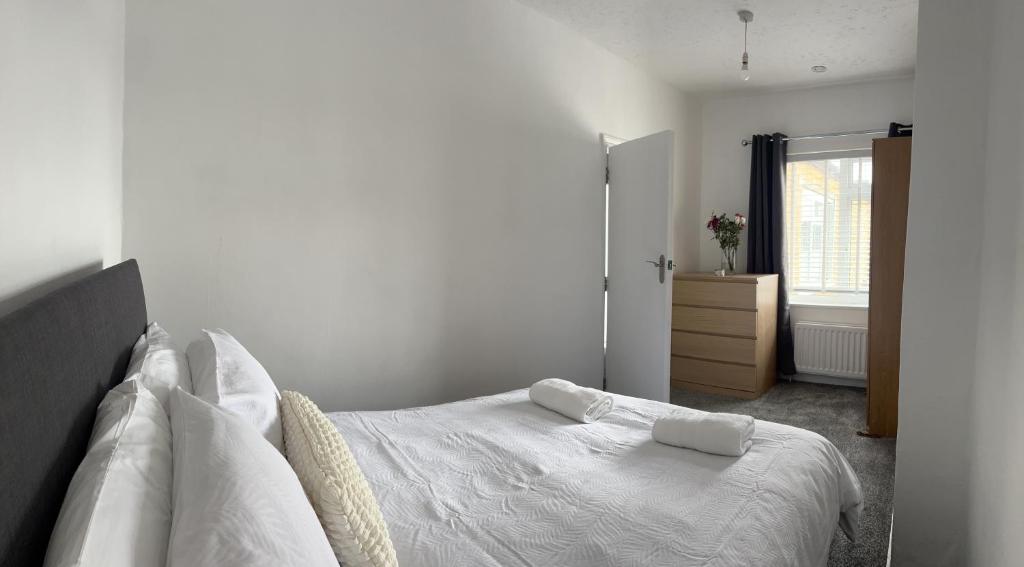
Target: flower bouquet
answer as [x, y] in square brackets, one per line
[727, 232]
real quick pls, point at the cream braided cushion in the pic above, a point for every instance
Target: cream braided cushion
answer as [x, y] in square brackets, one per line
[335, 486]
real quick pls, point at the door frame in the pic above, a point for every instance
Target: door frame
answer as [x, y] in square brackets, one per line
[607, 142]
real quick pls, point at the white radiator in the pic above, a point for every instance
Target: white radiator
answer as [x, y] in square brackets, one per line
[828, 349]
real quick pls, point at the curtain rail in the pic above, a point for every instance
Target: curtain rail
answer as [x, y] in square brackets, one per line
[745, 143]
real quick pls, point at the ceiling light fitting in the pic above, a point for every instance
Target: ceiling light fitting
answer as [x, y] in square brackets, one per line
[819, 69]
[746, 16]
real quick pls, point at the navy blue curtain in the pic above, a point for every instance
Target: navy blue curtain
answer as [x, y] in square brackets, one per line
[764, 234]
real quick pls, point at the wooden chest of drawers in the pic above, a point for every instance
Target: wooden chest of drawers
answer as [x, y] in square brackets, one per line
[723, 333]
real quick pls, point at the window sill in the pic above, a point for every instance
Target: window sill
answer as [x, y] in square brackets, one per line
[825, 305]
[827, 300]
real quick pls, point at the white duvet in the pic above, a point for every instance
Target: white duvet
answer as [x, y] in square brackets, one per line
[502, 481]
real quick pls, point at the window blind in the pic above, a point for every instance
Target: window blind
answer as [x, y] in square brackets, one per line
[827, 208]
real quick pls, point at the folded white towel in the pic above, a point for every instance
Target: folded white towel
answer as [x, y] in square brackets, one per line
[718, 433]
[585, 405]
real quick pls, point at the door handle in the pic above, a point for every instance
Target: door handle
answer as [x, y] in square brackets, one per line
[662, 265]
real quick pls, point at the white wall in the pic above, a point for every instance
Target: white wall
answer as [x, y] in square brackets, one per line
[959, 467]
[62, 69]
[731, 117]
[940, 292]
[390, 202]
[997, 478]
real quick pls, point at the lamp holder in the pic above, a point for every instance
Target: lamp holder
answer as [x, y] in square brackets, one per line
[746, 16]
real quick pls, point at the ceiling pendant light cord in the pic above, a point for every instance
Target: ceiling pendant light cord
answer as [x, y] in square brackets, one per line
[746, 56]
[746, 16]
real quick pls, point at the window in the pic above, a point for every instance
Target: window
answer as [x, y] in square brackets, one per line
[827, 209]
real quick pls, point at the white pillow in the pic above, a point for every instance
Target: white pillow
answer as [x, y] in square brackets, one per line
[158, 364]
[227, 376]
[117, 511]
[335, 485]
[236, 500]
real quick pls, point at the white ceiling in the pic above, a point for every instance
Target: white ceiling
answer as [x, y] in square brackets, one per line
[697, 44]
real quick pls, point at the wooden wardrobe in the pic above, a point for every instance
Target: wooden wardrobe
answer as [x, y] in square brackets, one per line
[890, 192]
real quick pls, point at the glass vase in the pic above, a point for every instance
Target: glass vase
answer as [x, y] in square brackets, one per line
[729, 260]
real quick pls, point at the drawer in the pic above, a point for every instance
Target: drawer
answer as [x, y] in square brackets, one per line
[726, 349]
[732, 376]
[716, 321]
[715, 294]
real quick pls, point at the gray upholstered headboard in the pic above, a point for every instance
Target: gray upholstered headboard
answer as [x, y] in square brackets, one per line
[58, 357]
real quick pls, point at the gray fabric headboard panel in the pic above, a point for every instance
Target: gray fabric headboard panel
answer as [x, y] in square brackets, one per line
[58, 357]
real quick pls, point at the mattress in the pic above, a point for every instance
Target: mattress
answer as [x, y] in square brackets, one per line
[501, 481]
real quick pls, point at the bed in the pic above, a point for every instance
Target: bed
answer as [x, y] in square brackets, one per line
[499, 480]
[489, 481]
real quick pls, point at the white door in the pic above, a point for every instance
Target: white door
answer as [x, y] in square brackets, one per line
[639, 276]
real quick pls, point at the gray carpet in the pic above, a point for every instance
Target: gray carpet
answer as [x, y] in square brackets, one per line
[836, 413]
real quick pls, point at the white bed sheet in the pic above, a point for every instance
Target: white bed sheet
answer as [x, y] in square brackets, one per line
[501, 481]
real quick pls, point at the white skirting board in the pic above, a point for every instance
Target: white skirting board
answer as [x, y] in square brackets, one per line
[830, 380]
